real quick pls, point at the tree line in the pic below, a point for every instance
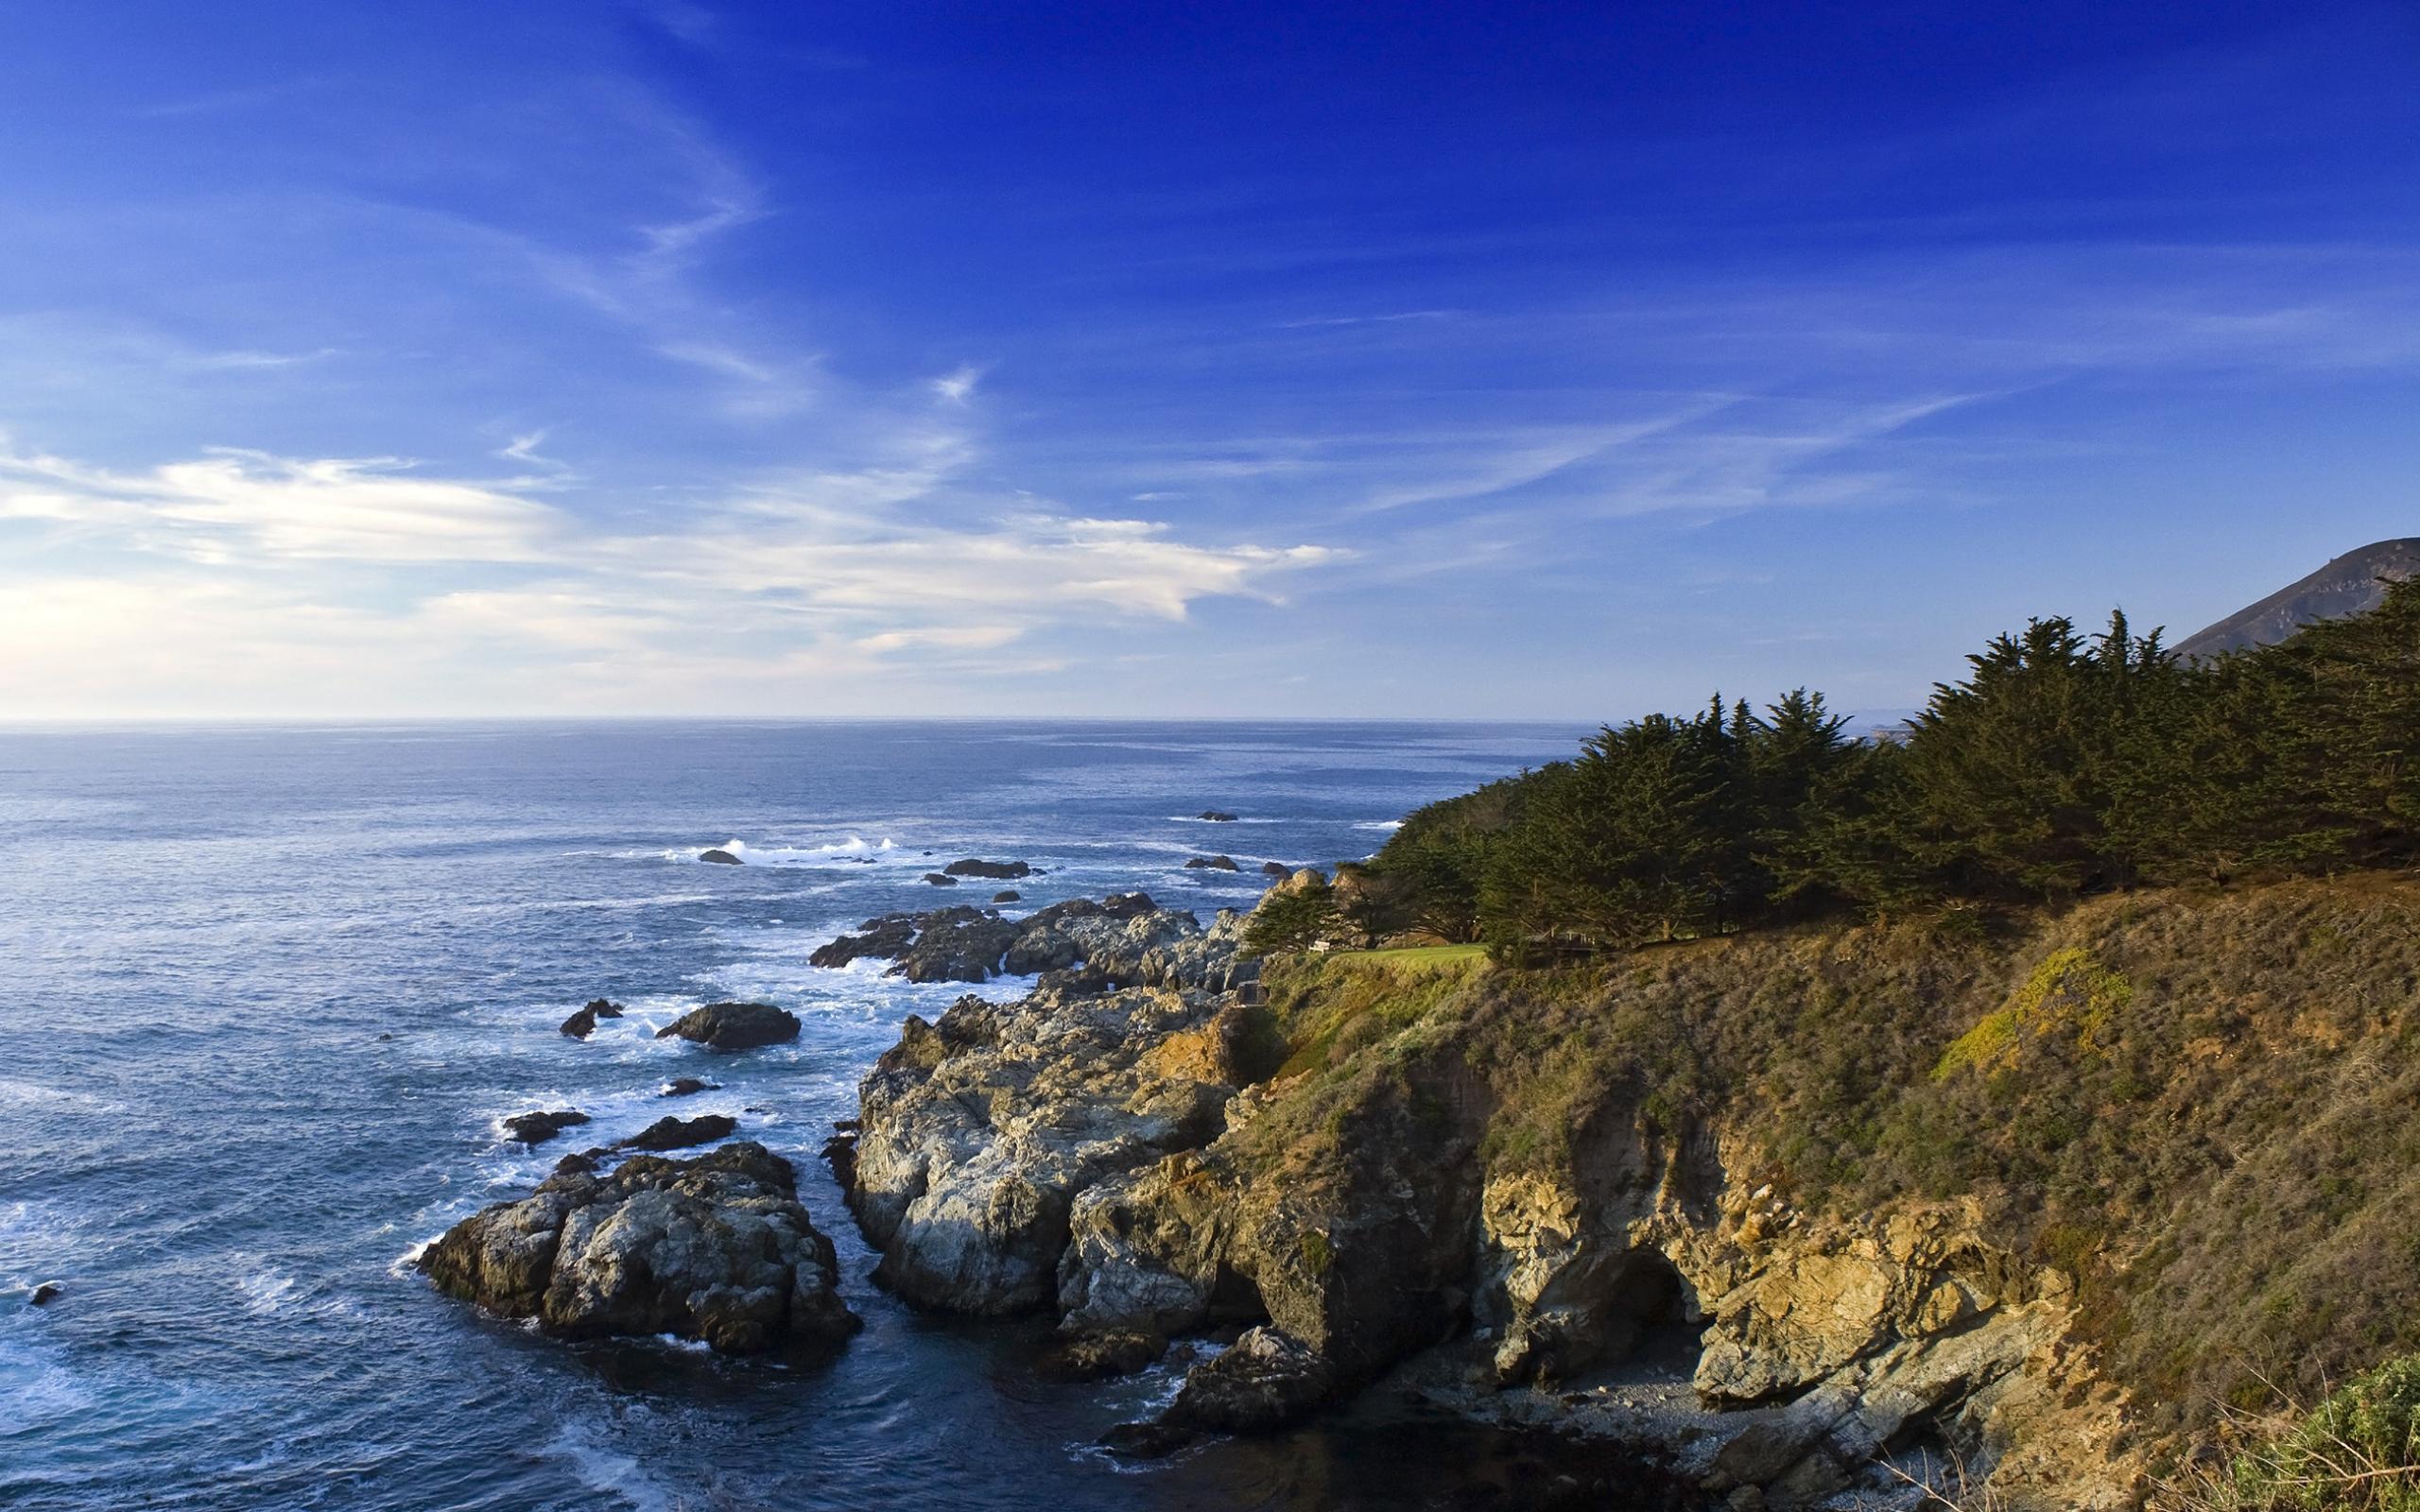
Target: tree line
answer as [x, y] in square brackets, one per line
[2062, 764]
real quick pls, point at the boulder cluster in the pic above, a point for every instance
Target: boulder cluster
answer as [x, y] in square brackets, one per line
[1125, 938]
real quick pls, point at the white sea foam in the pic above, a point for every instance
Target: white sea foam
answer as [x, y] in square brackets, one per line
[611, 1471]
[856, 847]
[1388, 826]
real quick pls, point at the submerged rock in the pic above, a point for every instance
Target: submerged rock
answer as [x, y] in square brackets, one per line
[715, 1249]
[734, 1025]
[670, 1133]
[719, 857]
[42, 1296]
[1216, 816]
[537, 1128]
[688, 1087]
[583, 1023]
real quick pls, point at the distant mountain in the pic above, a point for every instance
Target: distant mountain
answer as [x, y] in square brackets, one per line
[2349, 585]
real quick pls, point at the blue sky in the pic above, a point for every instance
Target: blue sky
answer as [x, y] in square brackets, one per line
[1126, 359]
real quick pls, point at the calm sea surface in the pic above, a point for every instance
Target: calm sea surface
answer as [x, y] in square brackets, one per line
[267, 991]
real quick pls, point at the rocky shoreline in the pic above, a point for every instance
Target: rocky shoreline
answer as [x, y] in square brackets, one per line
[1142, 1149]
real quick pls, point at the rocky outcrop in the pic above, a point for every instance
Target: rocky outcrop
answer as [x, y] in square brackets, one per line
[941, 879]
[1216, 816]
[583, 1023]
[1212, 863]
[719, 857]
[733, 1026]
[957, 945]
[715, 1249]
[688, 1087]
[537, 1128]
[681, 1133]
[880, 939]
[1125, 939]
[980, 1132]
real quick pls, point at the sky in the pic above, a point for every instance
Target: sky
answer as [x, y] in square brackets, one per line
[1567, 362]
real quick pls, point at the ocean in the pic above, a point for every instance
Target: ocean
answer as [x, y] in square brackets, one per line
[270, 989]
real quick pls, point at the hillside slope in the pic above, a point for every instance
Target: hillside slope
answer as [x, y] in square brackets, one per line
[2349, 585]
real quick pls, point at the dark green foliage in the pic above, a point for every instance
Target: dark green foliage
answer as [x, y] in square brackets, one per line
[2063, 765]
[1290, 920]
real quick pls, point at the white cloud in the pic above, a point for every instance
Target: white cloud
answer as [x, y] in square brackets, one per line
[959, 387]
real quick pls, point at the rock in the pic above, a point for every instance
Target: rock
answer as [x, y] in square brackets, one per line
[882, 939]
[980, 1131]
[1216, 816]
[668, 1133]
[580, 1164]
[1212, 863]
[841, 1153]
[734, 1025]
[1101, 1356]
[537, 1128]
[1009, 895]
[1265, 1381]
[962, 944]
[1275, 868]
[42, 1296]
[688, 1087]
[719, 857]
[992, 870]
[715, 1249]
[941, 879]
[583, 1023]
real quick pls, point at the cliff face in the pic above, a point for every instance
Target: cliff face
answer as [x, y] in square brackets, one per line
[2043, 1191]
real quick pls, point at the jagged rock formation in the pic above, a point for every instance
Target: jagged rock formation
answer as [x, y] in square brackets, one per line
[583, 1023]
[2349, 585]
[1125, 938]
[716, 1249]
[538, 1127]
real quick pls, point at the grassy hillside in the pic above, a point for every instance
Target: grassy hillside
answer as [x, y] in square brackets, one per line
[2203, 1105]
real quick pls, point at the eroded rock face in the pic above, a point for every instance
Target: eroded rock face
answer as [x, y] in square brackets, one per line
[733, 1026]
[715, 1249]
[979, 1132]
[1124, 940]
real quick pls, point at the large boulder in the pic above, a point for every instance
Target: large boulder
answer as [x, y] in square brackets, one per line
[715, 1249]
[719, 857]
[734, 1025]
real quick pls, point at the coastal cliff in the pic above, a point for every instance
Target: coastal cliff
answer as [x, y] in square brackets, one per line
[2042, 1193]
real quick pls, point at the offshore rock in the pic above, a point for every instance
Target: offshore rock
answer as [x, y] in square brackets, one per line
[957, 945]
[734, 1025]
[990, 870]
[1212, 864]
[715, 1249]
[669, 1133]
[583, 1023]
[537, 1128]
[719, 857]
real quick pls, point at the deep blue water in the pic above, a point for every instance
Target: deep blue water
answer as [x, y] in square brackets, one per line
[208, 936]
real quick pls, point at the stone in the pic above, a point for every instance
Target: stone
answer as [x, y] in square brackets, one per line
[941, 879]
[688, 1087]
[583, 1023]
[1275, 868]
[1216, 816]
[715, 1249]
[43, 1294]
[882, 938]
[1101, 1356]
[537, 1128]
[670, 1133]
[734, 1025]
[1212, 863]
[1265, 1381]
[719, 857]
[1009, 895]
[962, 944]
